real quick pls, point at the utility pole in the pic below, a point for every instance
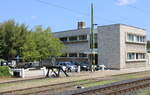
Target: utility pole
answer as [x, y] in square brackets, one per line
[92, 40]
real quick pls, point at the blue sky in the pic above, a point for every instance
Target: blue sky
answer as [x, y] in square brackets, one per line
[64, 14]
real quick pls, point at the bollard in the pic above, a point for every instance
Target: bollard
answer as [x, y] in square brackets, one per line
[79, 69]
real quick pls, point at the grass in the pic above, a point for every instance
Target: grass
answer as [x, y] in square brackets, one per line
[132, 76]
[145, 91]
[39, 82]
[37, 89]
[24, 82]
[99, 83]
[4, 71]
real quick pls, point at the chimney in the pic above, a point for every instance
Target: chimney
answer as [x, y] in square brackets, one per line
[81, 25]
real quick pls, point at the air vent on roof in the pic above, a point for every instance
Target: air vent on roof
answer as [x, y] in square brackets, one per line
[81, 25]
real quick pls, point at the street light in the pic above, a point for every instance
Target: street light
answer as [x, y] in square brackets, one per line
[92, 39]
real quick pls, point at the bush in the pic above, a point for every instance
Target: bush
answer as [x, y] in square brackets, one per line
[4, 71]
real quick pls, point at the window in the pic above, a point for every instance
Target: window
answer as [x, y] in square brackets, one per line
[64, 55]
[131, 56]
[142, 39]
[73, 38]
[130, 37]
[135, 56]
[83, 37]
[95, 45]
[72, 54]
[64, 39]
[141, 56]
[82, 55]
[136, 38]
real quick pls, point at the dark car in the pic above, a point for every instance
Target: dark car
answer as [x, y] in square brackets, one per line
[85, 66]
[68, 66]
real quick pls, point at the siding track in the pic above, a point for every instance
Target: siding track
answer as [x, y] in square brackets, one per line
[51, 89]
[117, 88]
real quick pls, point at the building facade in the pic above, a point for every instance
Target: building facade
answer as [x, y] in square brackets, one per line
[117, 46]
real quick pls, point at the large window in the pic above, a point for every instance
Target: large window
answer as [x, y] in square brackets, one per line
[131, 56]
[72, 54]
[142, 39]
[140, 56]
[136, 38]
[82, 55]
[82, 37]
[135, 56]
[130, 37]
[73, 38]
[64, 55]
[64, 39]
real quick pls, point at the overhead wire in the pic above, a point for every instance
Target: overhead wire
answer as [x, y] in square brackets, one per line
[88, 15]
[73, 11]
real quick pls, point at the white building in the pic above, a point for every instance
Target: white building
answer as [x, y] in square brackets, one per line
[117, 46]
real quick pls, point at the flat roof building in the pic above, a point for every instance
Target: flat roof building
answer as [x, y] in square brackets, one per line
[117, 46]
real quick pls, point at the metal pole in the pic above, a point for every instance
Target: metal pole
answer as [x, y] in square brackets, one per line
[92, 36]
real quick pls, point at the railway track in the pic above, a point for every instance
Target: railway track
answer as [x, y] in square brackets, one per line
[117, 88]
[51, 89]
[32, 79]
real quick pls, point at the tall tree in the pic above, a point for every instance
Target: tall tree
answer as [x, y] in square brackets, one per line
[41, 44]
[12, 37]
[36, 44]
[148, 44]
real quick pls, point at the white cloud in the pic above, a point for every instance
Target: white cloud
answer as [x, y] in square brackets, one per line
[125, 2]
[34, 17]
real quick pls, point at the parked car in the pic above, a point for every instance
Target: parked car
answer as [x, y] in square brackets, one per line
[35, 65]
[85, 66]
[62, 65]
[100, 67]
[69, 66]
[11, 64]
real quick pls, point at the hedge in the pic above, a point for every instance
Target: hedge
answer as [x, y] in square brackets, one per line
[4, 71]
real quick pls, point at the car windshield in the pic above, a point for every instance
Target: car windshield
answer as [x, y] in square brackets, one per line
[68, 63]
[84, 63]
[75, 63]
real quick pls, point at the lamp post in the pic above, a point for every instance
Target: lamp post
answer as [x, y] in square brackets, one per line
[92, 39]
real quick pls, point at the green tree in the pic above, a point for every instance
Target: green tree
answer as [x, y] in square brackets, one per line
[36, 44]
[12, 38]
[41, 44]
[29, 52]
[148, 44]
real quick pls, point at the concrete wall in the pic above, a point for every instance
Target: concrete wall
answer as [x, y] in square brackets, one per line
[136, 64]
[109, 46]
[126, 47]
[72, 59]
[76, 46]
[74, 32]
[148, 58]
[112, 45]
